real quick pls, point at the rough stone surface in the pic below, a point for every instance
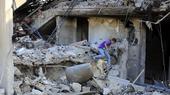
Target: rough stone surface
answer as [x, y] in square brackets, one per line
[76, 87]
[156, 93]
[52, 55]
[17, 72]
[84, 88]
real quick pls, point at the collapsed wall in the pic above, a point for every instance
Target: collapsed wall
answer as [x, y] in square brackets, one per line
[32, 56]
[35, 75]
[39, 53]
[41, 66]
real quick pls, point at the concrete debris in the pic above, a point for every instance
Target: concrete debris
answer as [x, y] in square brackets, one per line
[52, 55]
[156, 93]
[85, 89]
[102, 3]
[47, 77]
[38, 85]
[87, 4]
[76, 87]
[64, 88]
[36, 92]
[17, 88]
[106, 91]
[79, 73]
[17, 72]
[81, 43]
[165, 5]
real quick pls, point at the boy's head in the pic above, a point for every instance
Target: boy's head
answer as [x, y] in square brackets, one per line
[113, 40]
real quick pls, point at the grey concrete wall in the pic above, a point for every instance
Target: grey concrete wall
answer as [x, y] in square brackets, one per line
[132, 61]
[6, 30]
[67, 33]
[136, 58]
[102, 28]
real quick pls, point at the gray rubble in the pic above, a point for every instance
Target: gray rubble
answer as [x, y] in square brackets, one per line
[32, 78]
[103, 3]
[41, 85]
[52, 55]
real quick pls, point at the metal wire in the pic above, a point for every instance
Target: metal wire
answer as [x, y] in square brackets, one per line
[62, 22]
[57, 29]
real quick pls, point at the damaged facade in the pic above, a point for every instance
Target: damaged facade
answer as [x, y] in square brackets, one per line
[55, 42]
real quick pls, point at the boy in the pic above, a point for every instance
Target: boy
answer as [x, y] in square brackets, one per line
[103, 49]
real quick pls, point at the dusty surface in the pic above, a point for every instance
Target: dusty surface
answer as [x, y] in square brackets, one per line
[51, 55]
[40, 67]
[41, 70]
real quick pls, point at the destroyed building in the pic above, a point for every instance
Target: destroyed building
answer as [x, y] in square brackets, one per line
[55, 42]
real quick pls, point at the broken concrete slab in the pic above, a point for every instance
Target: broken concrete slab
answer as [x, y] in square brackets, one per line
[17, 72]
[119, 81]
[76, 87]
[100, 83]
[99, 68]
[17, 88]
[52, 55]
[36, 92]
[79, 73]
[106, 91]
[157, 93]
[85, 89]
[64, 88]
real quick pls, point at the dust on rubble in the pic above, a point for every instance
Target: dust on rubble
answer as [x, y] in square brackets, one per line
[45, 69]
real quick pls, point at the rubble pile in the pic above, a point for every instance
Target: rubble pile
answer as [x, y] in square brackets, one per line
[91, 3]
[41, 69]
[143, 4]
[39, 52]
[111, 85]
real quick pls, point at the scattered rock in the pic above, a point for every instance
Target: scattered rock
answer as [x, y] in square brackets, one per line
[25, 88]
[64, 88]
[17, 72]
[114, 73]
[36, 92]
[52, 55]
[157, 93]
[106, 91]
[78, 52]
[76, 87]
[17, 88]
[84, 88]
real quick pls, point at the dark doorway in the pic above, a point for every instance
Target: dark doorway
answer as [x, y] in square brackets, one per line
[82, 28]
[158, 53]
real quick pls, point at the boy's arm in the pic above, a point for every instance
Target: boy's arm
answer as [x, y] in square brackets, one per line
[107, 48]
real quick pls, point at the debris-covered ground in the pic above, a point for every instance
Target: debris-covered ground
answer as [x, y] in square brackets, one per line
[45, 69]
[42, 68]
[39, 52]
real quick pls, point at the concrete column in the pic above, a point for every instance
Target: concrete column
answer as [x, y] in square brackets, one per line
[67, 32]
[6, 30]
